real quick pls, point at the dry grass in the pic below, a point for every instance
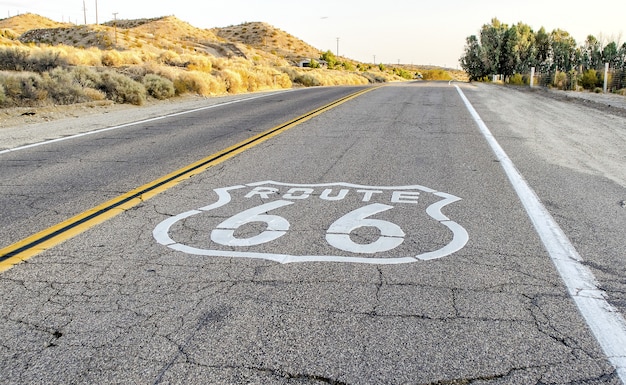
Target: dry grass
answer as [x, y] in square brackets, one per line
[265, 37]
[129, 61]
[29, 21]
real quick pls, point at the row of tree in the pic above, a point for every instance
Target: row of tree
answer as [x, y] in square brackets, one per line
[500, 49]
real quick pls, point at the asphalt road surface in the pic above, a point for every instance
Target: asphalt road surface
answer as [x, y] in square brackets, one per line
[415, 233]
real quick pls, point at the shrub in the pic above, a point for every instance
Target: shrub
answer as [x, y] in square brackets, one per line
[12, 86]
[197, 63]
[87, 77]
[44, 60]
[93, 94]
[349, 66]
[282, 80]
[307, 80]
[111, 58]
[516, 80]
[436, 74]
[233, 80]
[123, 89]
[290, 72]
[167, 72]
[314, 64]
[130, 57]
[589, 79]
[401, 72]
[13, 59]
[32, 89]
[158, 87]
[8, 34]
[256, 78]
[23, 88]
[170, 58]
[136, 73]
[60, 86]
[198, 82]
[2, 95]
[373, 78]
[560, 80]
[219, 63]
[86, 57]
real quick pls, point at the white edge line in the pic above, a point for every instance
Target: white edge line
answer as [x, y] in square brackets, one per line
[24, 147]
[605, 321]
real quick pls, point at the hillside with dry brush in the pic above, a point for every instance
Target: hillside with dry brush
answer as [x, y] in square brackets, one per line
[43, 62]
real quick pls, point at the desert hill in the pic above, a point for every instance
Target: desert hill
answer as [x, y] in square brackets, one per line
[265, 37]
[168, 26]
[148, 35]
[28, 21]
[44, 62]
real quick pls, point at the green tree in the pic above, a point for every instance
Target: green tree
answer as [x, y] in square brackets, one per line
[621, 57]
[314, 64]
[543, 57]
[591, 53]
[610, 55]
[565, 55]
[329, 58]
[471, 61]
[348, 66]
[527, 48]
[510, 52]
[491, 40]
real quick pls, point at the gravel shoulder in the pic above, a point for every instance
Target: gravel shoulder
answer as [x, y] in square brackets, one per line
[585, 132]
[608, 103]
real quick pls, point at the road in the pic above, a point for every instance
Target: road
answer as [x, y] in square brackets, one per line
[382, 240]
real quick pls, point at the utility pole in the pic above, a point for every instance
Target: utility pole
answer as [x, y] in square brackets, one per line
[337, 47]
[96, 12]
[374, 59]
[115, 25]
[85, 12]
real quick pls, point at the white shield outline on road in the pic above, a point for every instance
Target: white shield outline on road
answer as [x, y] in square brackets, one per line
[460, 236]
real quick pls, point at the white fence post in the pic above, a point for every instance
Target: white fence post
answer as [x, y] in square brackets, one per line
[606, 77]
[532, 76]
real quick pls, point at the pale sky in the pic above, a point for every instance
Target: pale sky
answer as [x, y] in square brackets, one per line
[410, 31]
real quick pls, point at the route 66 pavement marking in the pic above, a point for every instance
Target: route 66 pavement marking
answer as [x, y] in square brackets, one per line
[359, 203]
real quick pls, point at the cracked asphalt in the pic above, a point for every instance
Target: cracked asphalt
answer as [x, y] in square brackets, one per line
[117, 304]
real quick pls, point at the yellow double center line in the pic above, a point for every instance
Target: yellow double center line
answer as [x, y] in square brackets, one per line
[52, 236]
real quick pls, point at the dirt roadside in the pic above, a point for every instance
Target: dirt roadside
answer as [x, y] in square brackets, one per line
[581, 131]
[607, 103]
